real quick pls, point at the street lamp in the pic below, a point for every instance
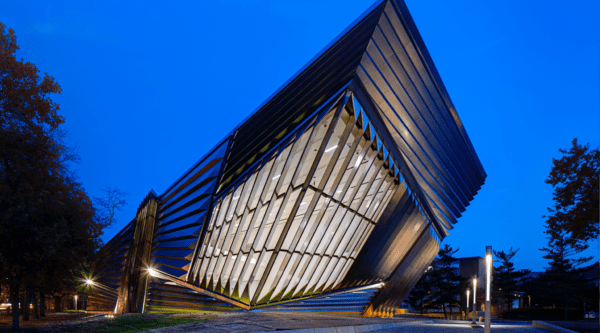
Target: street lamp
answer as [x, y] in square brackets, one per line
[89, 282]
[75, 302]
[468, 294]
[488, 282]
[474, 298]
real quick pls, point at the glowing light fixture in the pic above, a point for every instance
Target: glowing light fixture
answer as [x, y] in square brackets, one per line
[89, 282]
[152, 272]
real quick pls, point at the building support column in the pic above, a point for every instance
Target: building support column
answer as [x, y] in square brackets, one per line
[132, 293]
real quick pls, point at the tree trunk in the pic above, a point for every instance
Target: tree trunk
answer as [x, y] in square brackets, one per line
[509, 300]
[42, 304]
[57, 305]
[26, 305]
[444, 306]
[36, 314]
[14, 298]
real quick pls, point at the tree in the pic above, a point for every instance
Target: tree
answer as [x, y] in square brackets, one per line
[563, 280]
[420, 294]
[47, 225]
[506, 279]
[446, 279]
[574, 178]
[107, 205]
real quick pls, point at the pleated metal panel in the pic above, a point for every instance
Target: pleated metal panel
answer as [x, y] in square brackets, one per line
[350, 302]
[108, 271]
[181, 214]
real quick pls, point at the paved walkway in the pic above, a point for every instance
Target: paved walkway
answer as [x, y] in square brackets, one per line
[460, 327]
[267, 322]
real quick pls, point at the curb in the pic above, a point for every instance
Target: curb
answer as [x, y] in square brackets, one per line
[549, 327]
[350, 329]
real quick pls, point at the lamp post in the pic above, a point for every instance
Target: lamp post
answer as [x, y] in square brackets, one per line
[468, 294]
[474, 298]
[75, 302]
[488, 282]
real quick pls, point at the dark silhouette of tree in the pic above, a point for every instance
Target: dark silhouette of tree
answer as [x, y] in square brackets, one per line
[574, 178]
[107, 205]
[47, 224]
[420, 295]
[563, 280]
[448, 284]
[506, 279]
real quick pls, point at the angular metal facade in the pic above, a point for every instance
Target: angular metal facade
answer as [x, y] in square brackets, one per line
[334, 195]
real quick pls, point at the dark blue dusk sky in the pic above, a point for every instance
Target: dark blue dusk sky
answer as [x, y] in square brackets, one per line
[149, 87]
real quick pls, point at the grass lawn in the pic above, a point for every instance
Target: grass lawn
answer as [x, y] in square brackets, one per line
[119, 324]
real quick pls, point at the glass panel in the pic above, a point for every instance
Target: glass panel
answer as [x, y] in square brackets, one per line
[359, 175]
[318, 273]
[348, 233]
[379, 197]
[265, 228]
[373, 188]
[337, 218]
[313, 222]
[259, 271]
[364, 187]
[209, 271]
[308, 273]
[282, 219]
[293, 161]
[311, 151]
[223, 210]
[339, 233]
[335, 273]
[297, 222]
[356, 237]
[362, 242]
[236, 272]
[241, 232]
[221, 238]
[202, 273]
[219, 267]
[299, 271]
[327, 273]
[260, 183]
[226, 273]
[233, 226]
[248, 269]
[330, 149]
[213, 216]
[385, 201]
[275, 176]
[253, 229]
[355, 163]
[286, 276]
[341, 163]
[279, 261]
[343, 273]
[233, 204]
[323, 224]
[248, 186]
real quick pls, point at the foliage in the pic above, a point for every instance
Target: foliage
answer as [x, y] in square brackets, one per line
[506, 279]
[47, 225]
[441, 285]
[563, 280]
[420, 295]
[575, 178]
[573, 221]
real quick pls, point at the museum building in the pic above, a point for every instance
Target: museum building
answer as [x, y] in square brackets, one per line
[332, 196]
